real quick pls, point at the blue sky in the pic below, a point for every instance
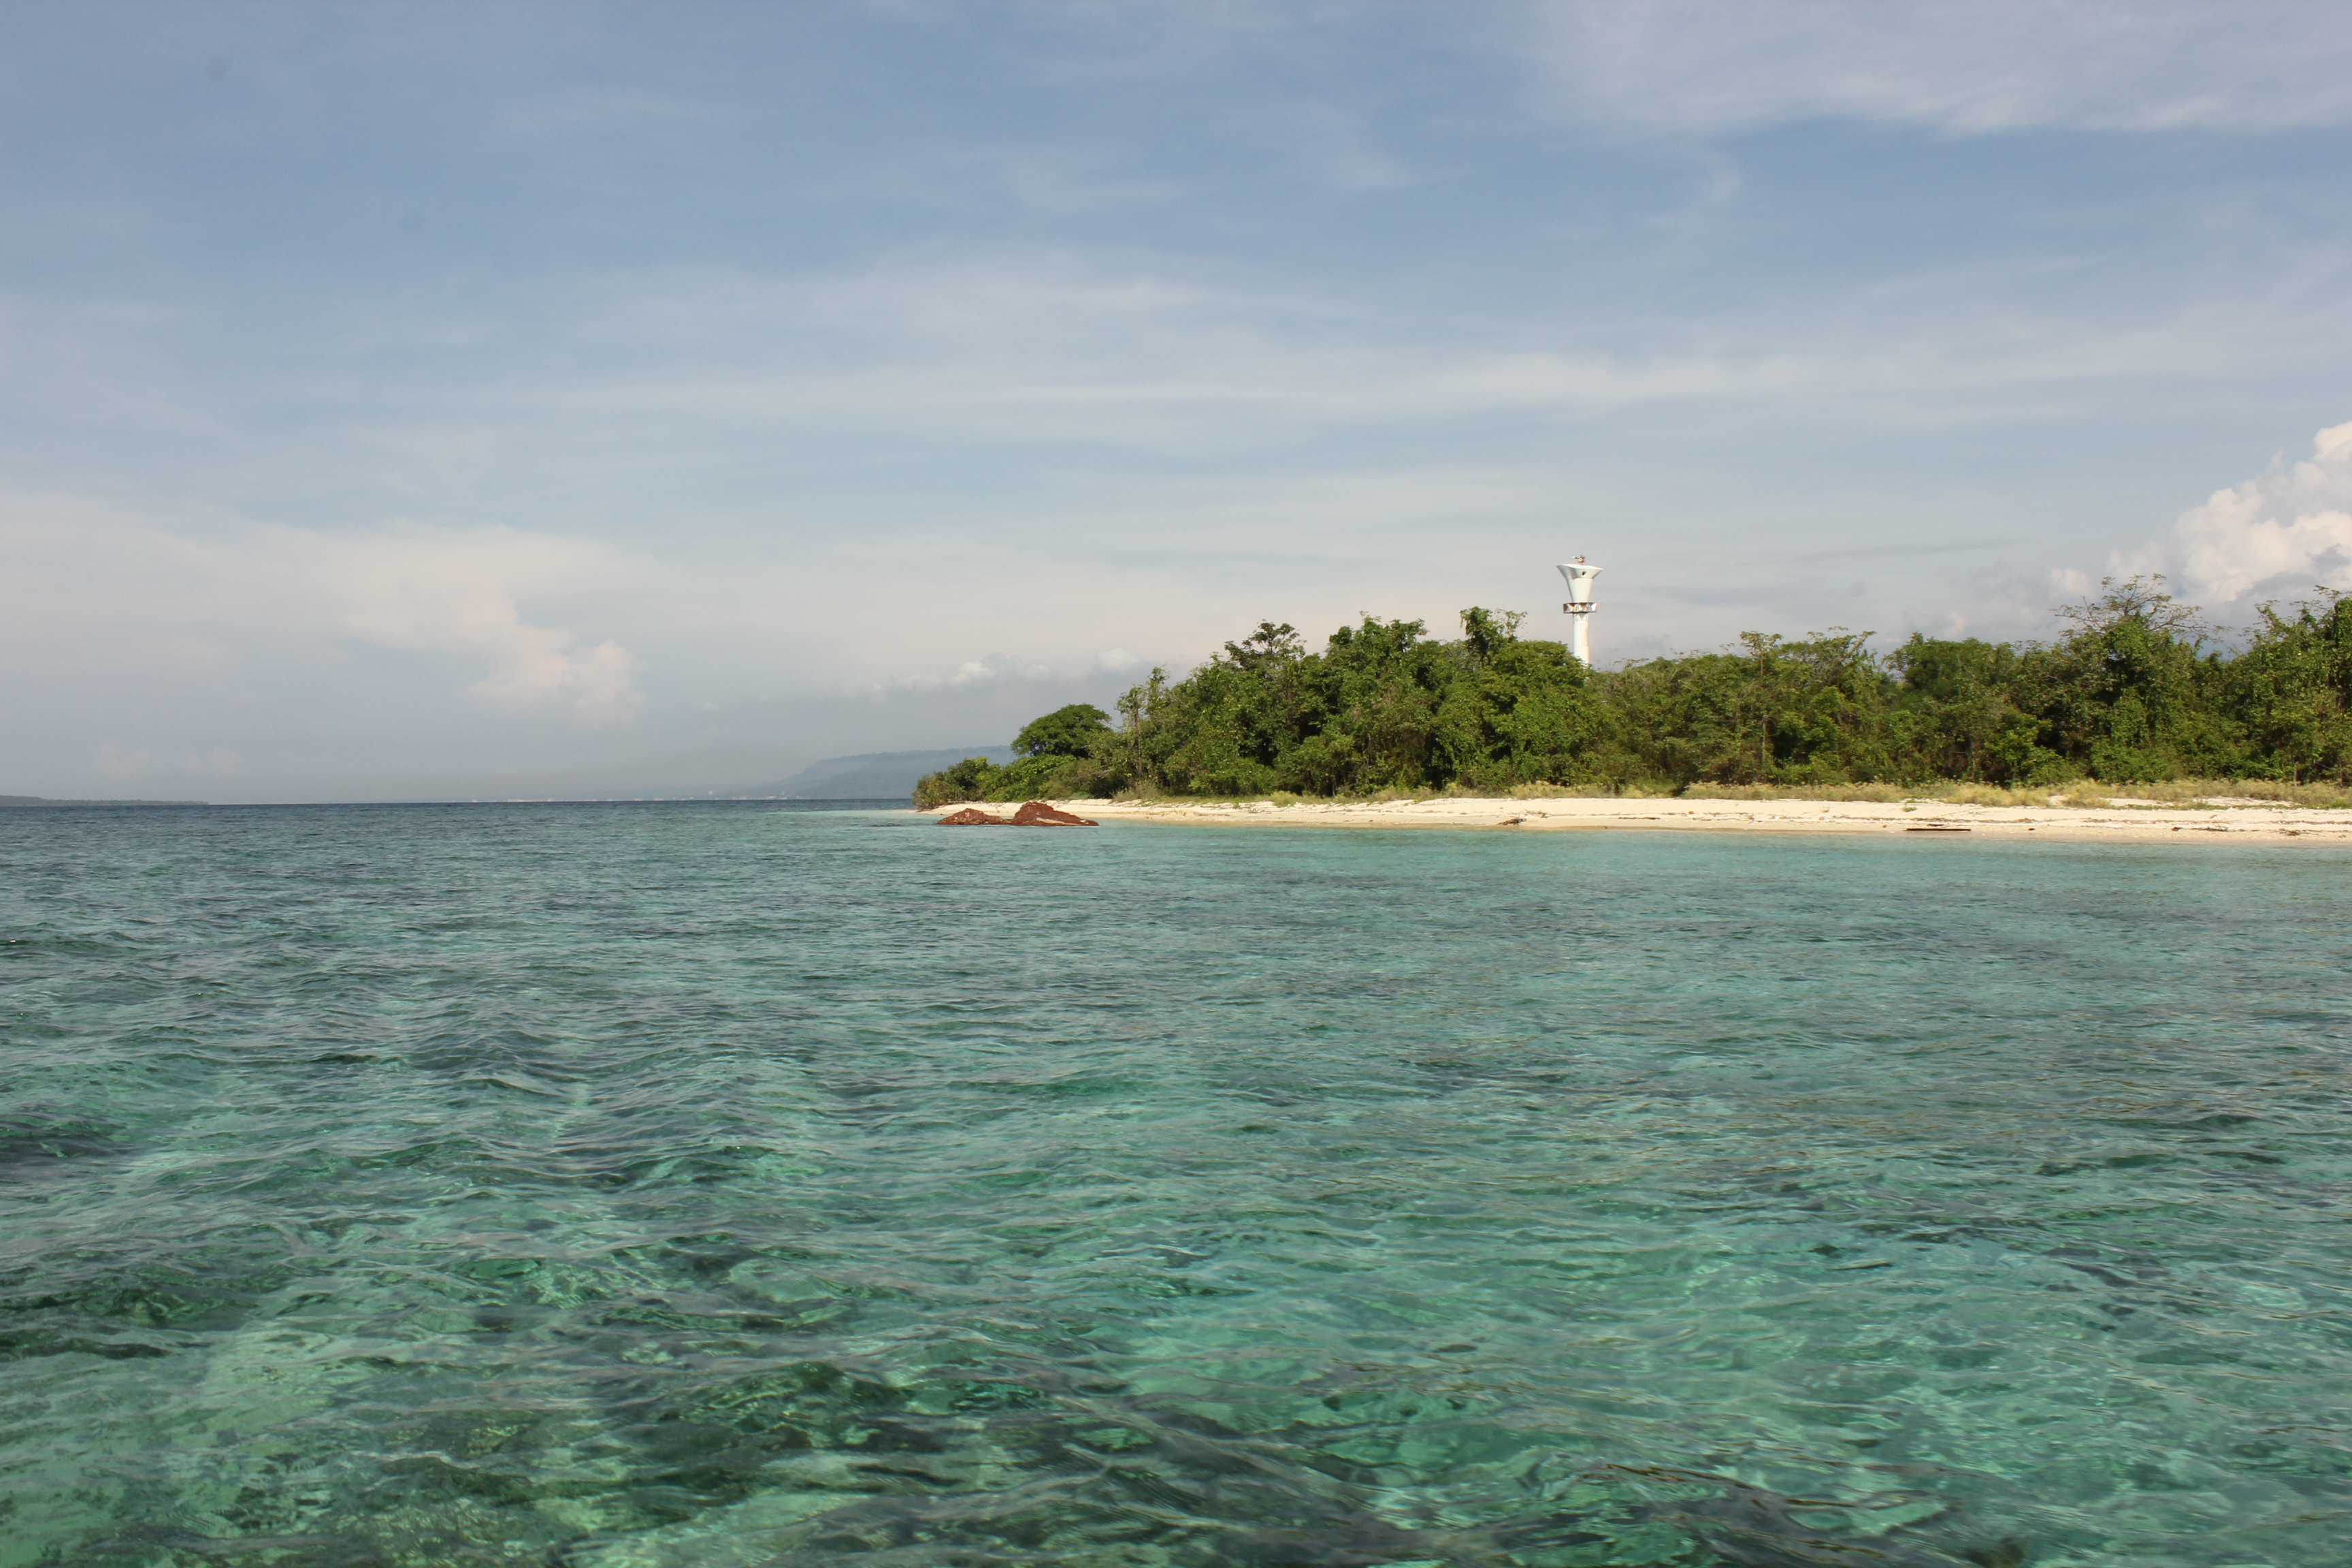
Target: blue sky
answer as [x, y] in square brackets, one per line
[451, 400]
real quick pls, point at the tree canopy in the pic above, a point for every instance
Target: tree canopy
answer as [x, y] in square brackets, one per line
[2131, 689]
[1069, 732]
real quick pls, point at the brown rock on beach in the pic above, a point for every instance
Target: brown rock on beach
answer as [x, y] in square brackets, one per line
[1037, 813]
[1033, 814]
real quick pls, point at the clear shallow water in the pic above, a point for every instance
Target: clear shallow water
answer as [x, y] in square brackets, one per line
[647, 1186]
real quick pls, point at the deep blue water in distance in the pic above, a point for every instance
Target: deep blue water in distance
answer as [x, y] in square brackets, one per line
[646, 1186]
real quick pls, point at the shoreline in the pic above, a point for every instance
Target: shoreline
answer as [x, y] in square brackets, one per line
[2111, 824]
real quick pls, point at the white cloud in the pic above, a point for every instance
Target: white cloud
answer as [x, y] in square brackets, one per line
[2281, 532]
[86, 589]
[453, 592]
[1959, 65]
[987, 673]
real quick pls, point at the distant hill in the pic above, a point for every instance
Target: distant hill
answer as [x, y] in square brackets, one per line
[37, 803]
[876, 775]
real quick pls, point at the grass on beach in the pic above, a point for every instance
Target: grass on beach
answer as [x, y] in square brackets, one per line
[2079, 792]
[2236, 792]
[2086, 792]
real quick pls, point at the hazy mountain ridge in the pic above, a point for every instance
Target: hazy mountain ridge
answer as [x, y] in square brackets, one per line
[872, 775]
[41, 802]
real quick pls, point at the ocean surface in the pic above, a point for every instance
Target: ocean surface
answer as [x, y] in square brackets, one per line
[695, 1186]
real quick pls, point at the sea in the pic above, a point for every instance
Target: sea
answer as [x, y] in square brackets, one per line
[713, 1185]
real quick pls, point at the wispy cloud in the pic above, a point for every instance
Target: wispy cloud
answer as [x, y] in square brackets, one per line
[1959, 65]
[1157, 351]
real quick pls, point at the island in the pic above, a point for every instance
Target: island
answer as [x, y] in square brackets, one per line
[2136, 710]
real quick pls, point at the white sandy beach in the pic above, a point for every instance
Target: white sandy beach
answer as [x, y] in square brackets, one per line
[2252, 822]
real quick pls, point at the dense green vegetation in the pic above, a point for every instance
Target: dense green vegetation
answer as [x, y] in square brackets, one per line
[1057, 761]
[2134, 688]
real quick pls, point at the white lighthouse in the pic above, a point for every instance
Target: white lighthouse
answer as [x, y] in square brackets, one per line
[1579, 606]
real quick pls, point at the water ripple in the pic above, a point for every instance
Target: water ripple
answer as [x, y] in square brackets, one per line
[630, 1187]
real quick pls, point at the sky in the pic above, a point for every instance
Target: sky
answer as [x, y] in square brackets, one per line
[431, 401]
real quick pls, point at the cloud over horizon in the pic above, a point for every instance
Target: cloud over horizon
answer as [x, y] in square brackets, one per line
[84, 583]
[2284, 532]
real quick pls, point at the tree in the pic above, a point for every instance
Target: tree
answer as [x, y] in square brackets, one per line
[1069, 732]
[2129, 690]
[2124, 692]
[2141, 601]
[1804, 710]
[2293, 689]
[1516, 712]
[1955, 719]
[974, 778]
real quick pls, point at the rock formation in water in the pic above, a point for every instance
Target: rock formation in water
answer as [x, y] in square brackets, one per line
[1033, 814]
[1037, 813]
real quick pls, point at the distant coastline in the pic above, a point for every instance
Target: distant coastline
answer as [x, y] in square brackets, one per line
[870, 775]
[42, 803]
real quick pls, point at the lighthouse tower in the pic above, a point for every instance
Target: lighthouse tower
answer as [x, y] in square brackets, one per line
[1579, 606]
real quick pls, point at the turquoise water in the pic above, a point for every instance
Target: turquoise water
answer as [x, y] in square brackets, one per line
[647, 1186]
